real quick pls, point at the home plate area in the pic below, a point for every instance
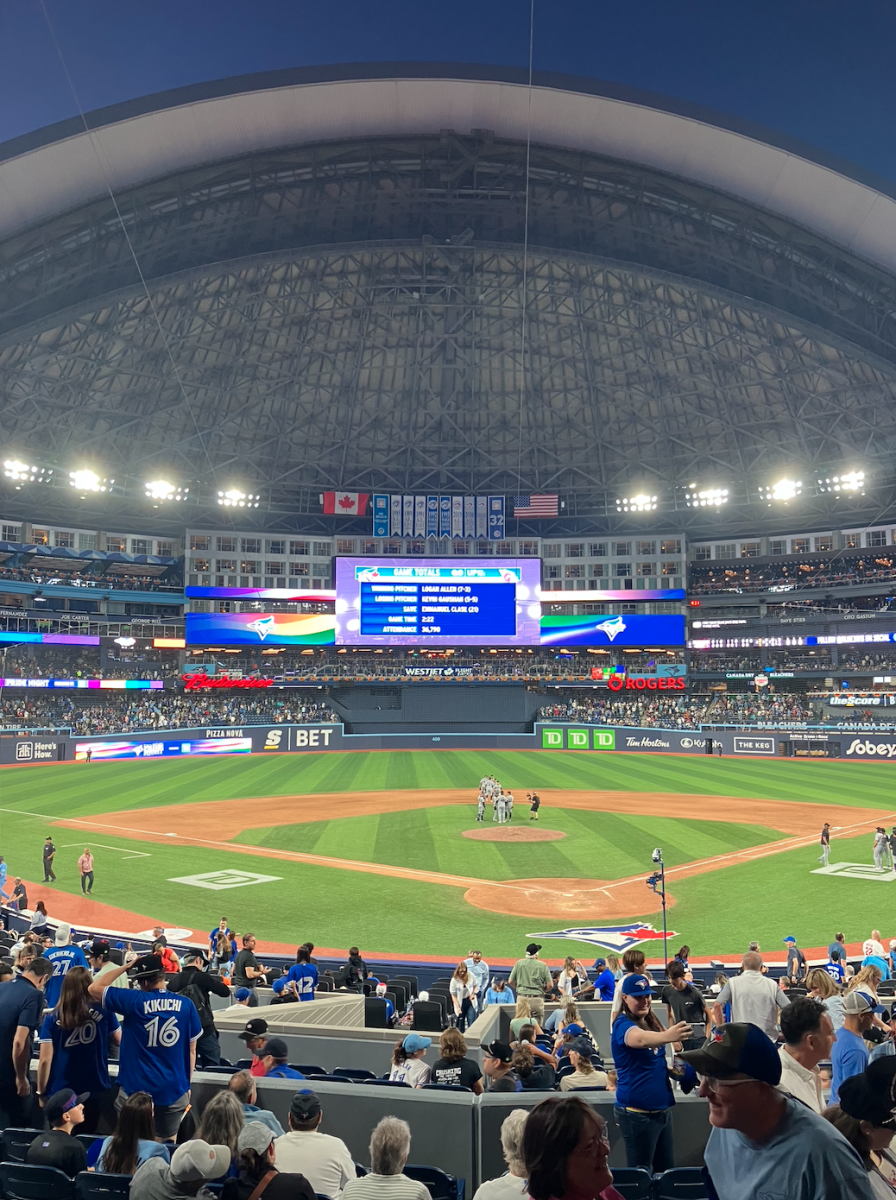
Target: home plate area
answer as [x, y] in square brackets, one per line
[868, 871]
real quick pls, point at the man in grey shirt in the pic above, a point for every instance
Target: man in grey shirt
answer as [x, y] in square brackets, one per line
[192, 1165]
[754, 998]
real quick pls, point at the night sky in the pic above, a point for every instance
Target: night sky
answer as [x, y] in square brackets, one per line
[822, 72]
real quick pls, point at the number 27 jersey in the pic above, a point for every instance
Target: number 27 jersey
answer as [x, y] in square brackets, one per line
[158, 1030]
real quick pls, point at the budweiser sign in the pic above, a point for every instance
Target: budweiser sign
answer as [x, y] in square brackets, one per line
[193, 683]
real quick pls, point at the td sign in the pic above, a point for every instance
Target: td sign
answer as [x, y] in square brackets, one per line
[578, 739]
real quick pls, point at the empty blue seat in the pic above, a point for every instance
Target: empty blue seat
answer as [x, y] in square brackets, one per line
[633, 1183]
[387, 1082]
[354, 1073]
[324, 1078]
[16, 1143]
[308, 1068]
[21, 1182]
[439, 1184]
[445, 1087]
[91, 1185]
[680, 1183]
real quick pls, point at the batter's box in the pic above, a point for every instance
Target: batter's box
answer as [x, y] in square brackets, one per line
[219, 881]
[857, 871]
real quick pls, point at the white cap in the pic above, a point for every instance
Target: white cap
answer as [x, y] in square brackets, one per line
[63, 934]
[197, 1160]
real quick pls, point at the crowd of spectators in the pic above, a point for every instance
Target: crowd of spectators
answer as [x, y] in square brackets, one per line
[119, 580]
[703, 580]
[129, 714]
[752, 710]
[651, 712]
[73, 662]
[797, 1071]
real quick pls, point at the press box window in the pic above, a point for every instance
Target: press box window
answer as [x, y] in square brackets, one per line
[575, 550]
[227, 544]
[553, 550]
[301, 549]
[576, 571]
[622, 570]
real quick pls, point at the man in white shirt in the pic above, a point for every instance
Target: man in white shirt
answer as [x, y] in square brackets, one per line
[754, 998]
[324, 1160]
[481, 973]
[808, 1037]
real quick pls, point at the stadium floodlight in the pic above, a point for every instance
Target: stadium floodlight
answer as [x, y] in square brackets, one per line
[85, 480]
[705, 497]
[852, 481]
[234, 498]
[161, 489]
[21, 472]
[639, 503]
[782, 491]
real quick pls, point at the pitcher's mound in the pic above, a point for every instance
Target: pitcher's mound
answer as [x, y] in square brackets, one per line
[564, 899]
[514, 833]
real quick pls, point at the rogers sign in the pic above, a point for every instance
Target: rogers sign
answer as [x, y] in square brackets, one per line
[616, 683]
[194, 683]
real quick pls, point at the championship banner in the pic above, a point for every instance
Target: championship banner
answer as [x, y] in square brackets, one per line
[482, 516]
[419, 516]
[432, 516]
[445, 516]
[395, 516]
[469, 516]
[457, 517]
[408, 523]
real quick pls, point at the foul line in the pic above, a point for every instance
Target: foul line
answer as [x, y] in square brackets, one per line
[125, 850]
[697, 867]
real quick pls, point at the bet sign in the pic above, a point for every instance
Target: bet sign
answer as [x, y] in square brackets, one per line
[195, 683]
[616, 683]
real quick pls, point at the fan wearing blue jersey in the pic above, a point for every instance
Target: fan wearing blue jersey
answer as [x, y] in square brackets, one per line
[74, 1049]
[63, 956]
[302, 978]
[158, 1043]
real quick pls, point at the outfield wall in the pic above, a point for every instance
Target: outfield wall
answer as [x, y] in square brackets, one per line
[300, 739]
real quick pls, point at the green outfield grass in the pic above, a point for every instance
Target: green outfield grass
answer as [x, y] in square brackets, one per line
[716, 913]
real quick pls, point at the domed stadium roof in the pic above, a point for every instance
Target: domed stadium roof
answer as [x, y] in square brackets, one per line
[344, 282]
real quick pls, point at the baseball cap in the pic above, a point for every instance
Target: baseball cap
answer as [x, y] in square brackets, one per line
[197, 1160]
[414, 1042]
[737, 1048]
[99, 948]
[242, 994]
[63, 933]
[573, 1029]
[255, 1136]
[790, 938]
[276, 1048]
[581, 1046]
[532, 948]
[600, 962]
[636, 985]
[855, 1003]
[424, 996]
[148, 966]
[277, 987]
[892, 943]
[61, 1102]
[499, 1050]
[305, 1105]
[868, 1097]
[254, 1028]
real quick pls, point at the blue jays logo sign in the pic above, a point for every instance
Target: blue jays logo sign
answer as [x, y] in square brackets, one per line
[612, 937]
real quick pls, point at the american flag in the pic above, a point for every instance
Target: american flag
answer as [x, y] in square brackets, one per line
[535, 506]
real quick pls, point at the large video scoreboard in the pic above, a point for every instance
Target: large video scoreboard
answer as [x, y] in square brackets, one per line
[385, 602]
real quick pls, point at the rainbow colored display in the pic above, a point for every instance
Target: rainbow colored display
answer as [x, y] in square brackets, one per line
[106, 684]
[52, 639]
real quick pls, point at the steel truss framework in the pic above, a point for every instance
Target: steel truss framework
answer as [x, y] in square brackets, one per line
[351, 315]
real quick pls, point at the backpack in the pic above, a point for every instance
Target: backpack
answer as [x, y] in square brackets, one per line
[195, 993]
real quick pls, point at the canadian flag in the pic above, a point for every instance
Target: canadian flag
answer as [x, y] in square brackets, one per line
[345, 504]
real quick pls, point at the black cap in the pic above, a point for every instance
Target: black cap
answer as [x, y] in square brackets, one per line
[532, 948]
[277, 1048]
[61, 1102]
[253, 1029]
[99, 949]
[305, 1106]
[869, 1096]
[499, 1050]
[148, 967]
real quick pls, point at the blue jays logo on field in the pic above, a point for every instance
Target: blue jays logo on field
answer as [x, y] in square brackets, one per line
[613, 937]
